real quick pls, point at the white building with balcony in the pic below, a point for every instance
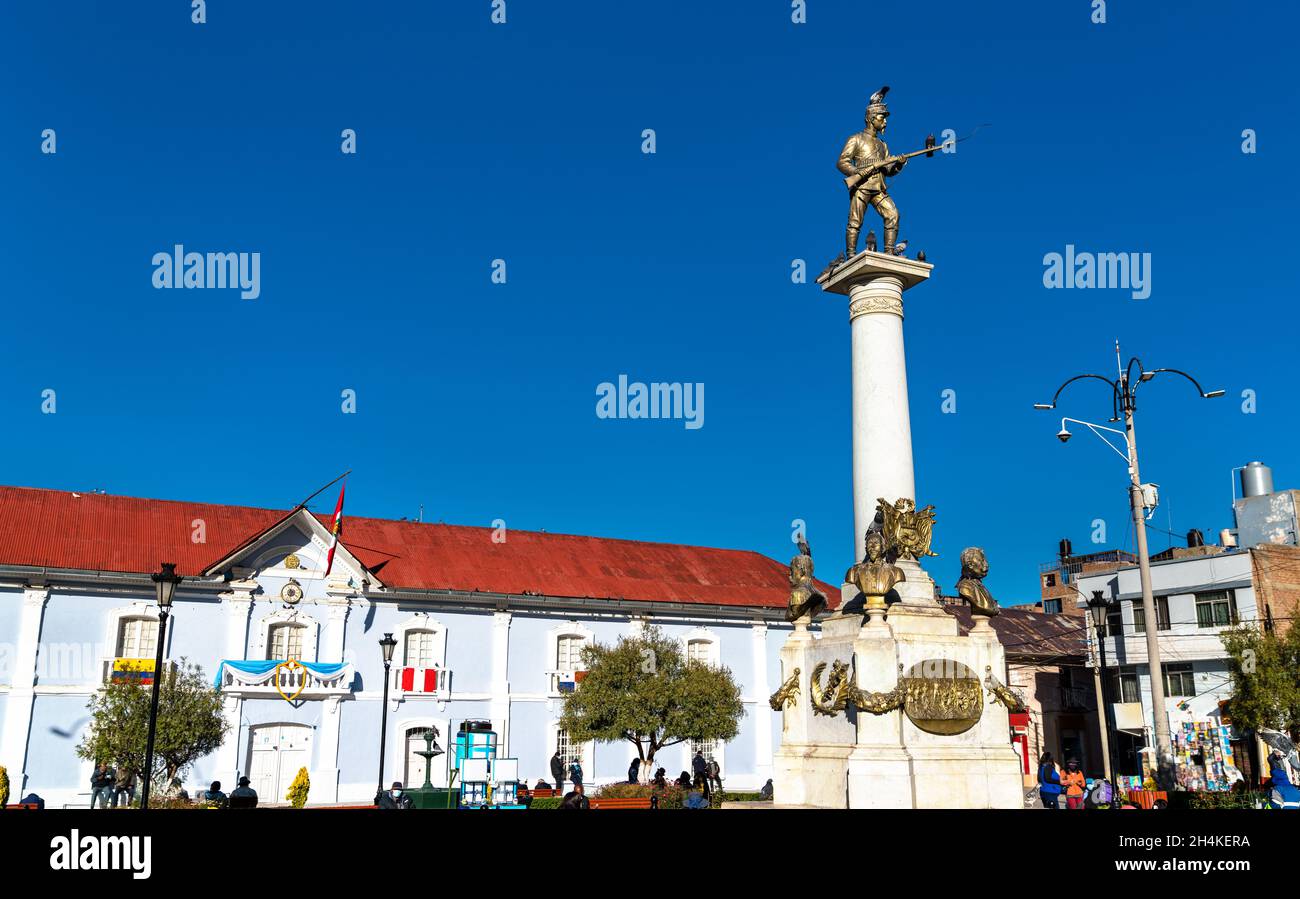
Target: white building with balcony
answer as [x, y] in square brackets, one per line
[489, 626]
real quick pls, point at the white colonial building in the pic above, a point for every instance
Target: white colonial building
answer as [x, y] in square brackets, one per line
[489, 625]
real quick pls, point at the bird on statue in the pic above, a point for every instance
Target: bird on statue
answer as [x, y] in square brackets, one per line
[900, 248]
[920, 255]
[871, 241]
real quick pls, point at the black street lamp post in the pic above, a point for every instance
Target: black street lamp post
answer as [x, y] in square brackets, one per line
[1098, 609]
[387, 645]
[165, 583]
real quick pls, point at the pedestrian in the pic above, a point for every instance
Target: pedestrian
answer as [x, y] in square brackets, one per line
[575, 773]
[101, 786]
[96, 778]
[701, 783]
[684, 780]
[243, 796]
[557, 771]
[394, 797]
[1049, 782]
[1284, 794]
[124, 787]
[575, 798]
[1073, 782]
[699, 767]
[213, 796]
[661, 780]
[696, 798]
[715, 774]
[634, 771]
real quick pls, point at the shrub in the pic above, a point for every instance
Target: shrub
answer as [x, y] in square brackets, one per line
[542, 802]
[730, 796]
[298, 790]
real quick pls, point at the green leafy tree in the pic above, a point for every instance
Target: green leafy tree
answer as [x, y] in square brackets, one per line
[4, 786]
[645, 691]
[1265, 670]
[190, 724]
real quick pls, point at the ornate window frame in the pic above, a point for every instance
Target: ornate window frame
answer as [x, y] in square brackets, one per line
[136, 609]
[310, 640]
[571, 628]
[703, 635]
[422, 621]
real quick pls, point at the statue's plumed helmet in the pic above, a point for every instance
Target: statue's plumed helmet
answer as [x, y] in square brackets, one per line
[876, 104]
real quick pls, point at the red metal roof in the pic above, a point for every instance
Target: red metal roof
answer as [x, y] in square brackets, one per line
[95, 532]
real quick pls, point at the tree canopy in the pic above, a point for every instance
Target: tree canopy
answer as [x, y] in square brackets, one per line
[644, 690]
[190, 723]
[1265, 670]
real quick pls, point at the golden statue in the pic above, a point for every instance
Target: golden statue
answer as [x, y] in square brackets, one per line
[805, 598]
[787, 696]
[906, 529]
[866, 158]
[974, 566]
[874, 576]
[1002, 693]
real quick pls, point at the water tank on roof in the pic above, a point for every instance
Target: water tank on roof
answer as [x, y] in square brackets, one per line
[1066, 549]
[1195, 538]
[1256, 480]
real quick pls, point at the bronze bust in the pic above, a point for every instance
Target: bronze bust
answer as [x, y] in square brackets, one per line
[874, 576]
[974, 567]
[805, 598]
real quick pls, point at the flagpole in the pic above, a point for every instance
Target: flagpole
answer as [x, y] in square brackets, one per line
[323, 489]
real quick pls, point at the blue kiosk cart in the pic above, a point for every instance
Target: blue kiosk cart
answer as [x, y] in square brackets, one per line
[486, 781]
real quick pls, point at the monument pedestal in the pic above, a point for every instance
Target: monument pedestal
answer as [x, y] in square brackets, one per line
[944, 742]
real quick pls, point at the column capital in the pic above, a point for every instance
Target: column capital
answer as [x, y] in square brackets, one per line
[867, 267]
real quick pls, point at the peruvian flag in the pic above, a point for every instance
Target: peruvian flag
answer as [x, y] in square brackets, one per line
[335, 529]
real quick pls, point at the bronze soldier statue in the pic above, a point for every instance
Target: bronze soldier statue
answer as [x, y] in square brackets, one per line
[866, 154]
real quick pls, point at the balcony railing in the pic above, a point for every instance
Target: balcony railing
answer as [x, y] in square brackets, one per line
[410, 680]
[1075, 698]
[560, 682]
[294, 681]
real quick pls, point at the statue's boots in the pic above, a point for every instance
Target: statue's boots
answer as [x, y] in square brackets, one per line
[891, 235]
[850, 243]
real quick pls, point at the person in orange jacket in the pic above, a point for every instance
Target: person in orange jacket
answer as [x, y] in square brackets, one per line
[1073, 782]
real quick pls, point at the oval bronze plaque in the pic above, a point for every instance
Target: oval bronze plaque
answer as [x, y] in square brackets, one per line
[943, 697]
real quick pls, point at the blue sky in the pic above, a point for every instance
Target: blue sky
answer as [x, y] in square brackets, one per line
[523, 142]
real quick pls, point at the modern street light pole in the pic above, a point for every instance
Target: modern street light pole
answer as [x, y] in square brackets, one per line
[1124, 400]
[165, 582]
[386, 645]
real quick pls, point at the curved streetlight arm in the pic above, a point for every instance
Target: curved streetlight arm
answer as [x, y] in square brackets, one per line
[1114, 390]
[1097, 429]
[1195, 383]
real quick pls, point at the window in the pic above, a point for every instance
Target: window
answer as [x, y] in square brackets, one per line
[1217, 609]
[1049, 580]
[137, 638]
[1052, 606]
[1124, 685]
[285, 641]
[1178, 679]
[1114, 622]
[699, 651]
[568, 652]
[420, 650]
[568, 750]
[708, 747]
[1140, 615]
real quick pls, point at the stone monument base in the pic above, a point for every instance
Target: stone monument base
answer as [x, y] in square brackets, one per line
[905, 757]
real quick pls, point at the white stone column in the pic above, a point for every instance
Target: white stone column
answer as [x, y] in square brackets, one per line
[22, 693]
[238, 605]
[761, 690]
[326, 775]
[882, 425]
[499, 706]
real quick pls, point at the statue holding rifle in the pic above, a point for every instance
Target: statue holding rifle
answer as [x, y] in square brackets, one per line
[866, 163]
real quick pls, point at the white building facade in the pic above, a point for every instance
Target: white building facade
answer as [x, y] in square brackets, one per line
[73, 602]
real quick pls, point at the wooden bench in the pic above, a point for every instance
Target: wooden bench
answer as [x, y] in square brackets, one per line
[27, 805]
[639, 802]
[1146, 799]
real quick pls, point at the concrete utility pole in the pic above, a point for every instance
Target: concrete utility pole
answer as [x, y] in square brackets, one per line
[1124, 402]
